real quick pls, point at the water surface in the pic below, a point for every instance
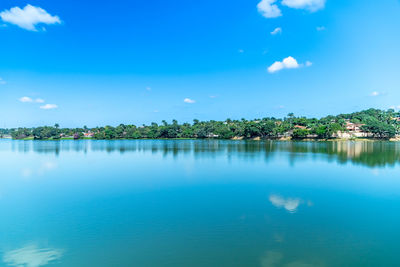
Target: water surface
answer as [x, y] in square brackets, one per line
[199, 203]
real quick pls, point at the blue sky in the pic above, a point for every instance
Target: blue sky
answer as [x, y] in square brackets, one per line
[89, 63]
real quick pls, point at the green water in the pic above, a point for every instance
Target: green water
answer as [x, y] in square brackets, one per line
[199, 203]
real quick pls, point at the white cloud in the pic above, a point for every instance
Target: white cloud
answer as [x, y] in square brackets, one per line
[28, 17]
[375, 93]
[289, 204]
[287, 63]
[189, 101]
[26, 99]
[31, 256]
[148, 88]
[49, 106]
[321, 28]
[241, 51]
[2, 81]
[311, 5]
[269, 9]
[276, 31]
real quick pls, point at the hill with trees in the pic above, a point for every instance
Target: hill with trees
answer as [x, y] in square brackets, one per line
[373, 123]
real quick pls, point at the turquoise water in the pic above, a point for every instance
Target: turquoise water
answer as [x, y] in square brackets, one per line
[199, 203]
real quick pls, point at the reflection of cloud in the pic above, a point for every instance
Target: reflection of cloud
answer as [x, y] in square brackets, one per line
[31, 256]
[271, 259]
[276, 259]
[290, 204]
[42, 169]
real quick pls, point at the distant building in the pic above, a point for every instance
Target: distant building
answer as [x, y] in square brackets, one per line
[88, 134]
[300, 127]
[354, 127]
[211, 135]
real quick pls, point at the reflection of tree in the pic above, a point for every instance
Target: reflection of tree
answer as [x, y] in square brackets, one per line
[367, 153]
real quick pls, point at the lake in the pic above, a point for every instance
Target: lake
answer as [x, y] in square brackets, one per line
[199, 203]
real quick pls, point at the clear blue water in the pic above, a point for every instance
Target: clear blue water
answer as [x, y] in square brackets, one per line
[199, 203]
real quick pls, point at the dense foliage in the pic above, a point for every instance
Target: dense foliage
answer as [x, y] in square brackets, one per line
[378, 123]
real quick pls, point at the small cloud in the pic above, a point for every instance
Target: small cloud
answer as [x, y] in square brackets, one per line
[276, 31]
[241, 51]
[32, 256]
[310, 5]
[269, 9]
[2, 81]
[189, 101]
[26, 99]
[287, 63]
[213, 96]
[321, 28]
[280, 107]
[156, 111]
[148, 88]
[289, 204]
[28, 17]
[375, 93]
[49, 106]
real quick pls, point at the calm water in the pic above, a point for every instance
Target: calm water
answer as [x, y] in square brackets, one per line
[199, 203]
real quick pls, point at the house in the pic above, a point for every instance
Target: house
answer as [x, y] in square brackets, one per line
[88, 134]
[211, 135]
[353, 130]
[300, 127]
[354, 127]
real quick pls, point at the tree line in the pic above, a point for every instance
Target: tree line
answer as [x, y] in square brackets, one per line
[378, 123]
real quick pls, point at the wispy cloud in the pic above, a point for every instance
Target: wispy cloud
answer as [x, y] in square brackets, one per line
[287, 63]
[241, 51]
[27, 99]
[321, 28]
[311, 5]
[375, 93]
[395, 107]
[28, 17]
[49, 106]
[2, 81]
[32, 256]
[276, 31]
[269, 9]
[148, 88]
[189, 101]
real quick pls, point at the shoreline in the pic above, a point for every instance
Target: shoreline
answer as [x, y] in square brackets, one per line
[215, 139]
